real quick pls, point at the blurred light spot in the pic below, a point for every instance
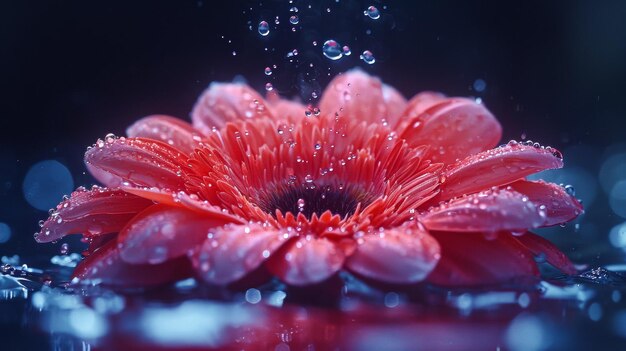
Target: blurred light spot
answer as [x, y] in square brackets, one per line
[612, 171]
[86, 323]
[595, 312]
[526, 333]
[45, 183]
[619, 323]
[617, 235]
[5, 232]
[617, 198]
[282, 347]
[480, 85]
[253, 296]
[276, 298]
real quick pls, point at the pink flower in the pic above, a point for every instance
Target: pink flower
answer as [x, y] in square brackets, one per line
[392, 191]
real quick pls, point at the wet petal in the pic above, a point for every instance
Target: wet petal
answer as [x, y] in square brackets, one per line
[170, 130]
[308, 260]
[286, 110]
[560, 207]
[543, 248]
[161, 233]
[473, 259]
[94, 212]
[357, 95]
[499, 166]
[487, 211]
[105, 266]
[232, 251]
[226, 102]
[400, 255]
[454, 128]
[137, 161]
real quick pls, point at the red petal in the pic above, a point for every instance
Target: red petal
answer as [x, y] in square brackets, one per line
[233, 251]
[487, 211]
[308, 260]
[161, 233]
[400, 255]
[172, 131]
[499, 166]
[226, 102]
[95, 212]
[286, 110]
[105, 266]
[138, 161]
[473, 259]
[560, 207]
[454, 128]
[356, 94]
[542, 247]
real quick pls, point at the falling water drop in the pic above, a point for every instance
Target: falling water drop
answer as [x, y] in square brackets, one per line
[368, 57]
[269, 87]
[332, 49]
[346, 50]
[301, 205]
[294, 19]
[268, 71]
[372, 12]
[64, 249]
[264, 28]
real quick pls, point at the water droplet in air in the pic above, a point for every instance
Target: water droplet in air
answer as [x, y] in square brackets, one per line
[368, 57]
[64, 249]
[293, 9]
[294, 19]
[269, 87]
[264, 28]
[301, 205]
[479, 85]
[570, 190]
[332, 49]
[372, 12]
[346, 50]
[268, 71]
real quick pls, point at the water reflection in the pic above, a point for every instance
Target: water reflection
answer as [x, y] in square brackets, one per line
[562, 313]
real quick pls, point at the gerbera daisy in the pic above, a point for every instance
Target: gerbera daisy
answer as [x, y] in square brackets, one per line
[392, 191]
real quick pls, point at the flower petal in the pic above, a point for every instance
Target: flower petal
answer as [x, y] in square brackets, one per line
[285, 110]
[560, 206]
[226, 102]
[105, 266]
[137, 161]
[499, 166]
[94, 212]
[475, 259]
[356, 94]
[401, 255]
[170, 130]
[542, 247]
[233, 251]
[308, 260]
[454, 128]
[487, 211]
[161, 233]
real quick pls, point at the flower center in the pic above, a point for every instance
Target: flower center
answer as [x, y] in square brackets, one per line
[338, 199]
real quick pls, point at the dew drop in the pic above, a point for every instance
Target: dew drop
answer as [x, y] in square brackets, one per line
[332, 50]
[372, 12]
[368, 57]
[264, 28]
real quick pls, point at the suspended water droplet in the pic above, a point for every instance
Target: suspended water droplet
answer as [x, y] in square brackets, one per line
[301, 204]
[269, 87]
[264, 28]
[372, 12]
[479, 85]
[268, 71]
[293, 9]
[64, 249]
[277, 20]
[570, 190]
[368, 57]
[318, 145]
[346, 50]
[332, 50]
[294, 19]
